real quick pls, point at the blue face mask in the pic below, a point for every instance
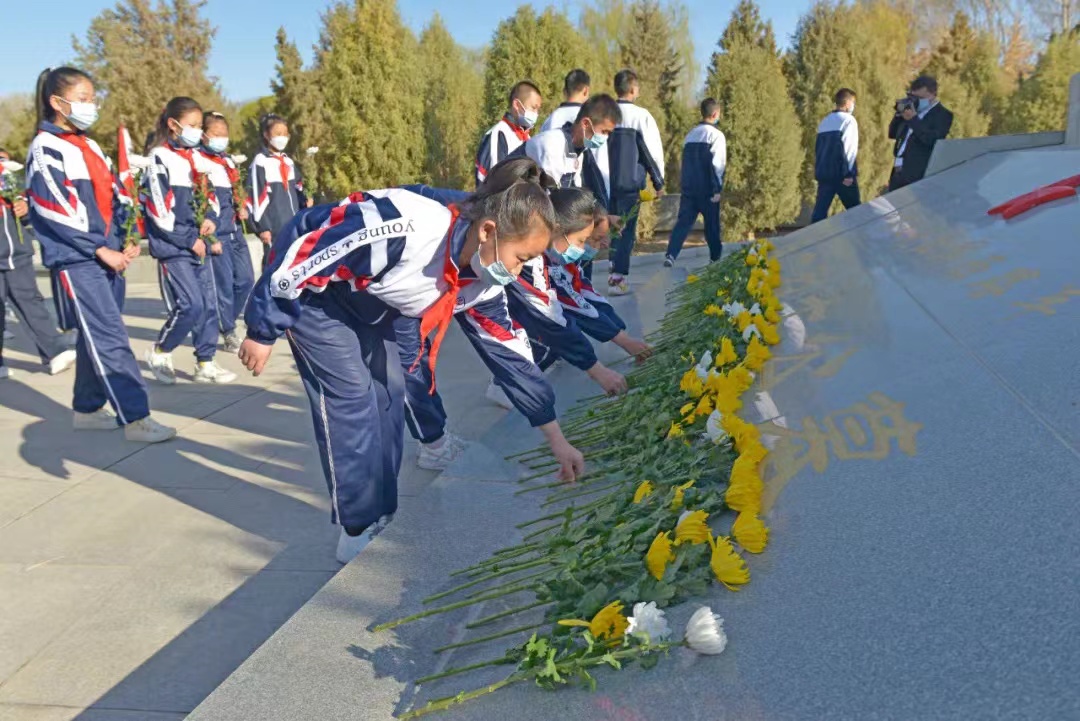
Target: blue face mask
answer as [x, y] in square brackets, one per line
[217, 145]
[495, 274]
[924, 105]
[596, 141]
[588, 254]
[572, 253]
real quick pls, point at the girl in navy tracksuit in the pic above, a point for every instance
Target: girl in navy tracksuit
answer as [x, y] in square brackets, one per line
[180, 245]
[77, 219]
[338, 277]
[277, 187]
[233, 275]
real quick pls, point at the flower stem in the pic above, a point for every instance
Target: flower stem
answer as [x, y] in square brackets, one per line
[495, 617]
[443, 704]
[464, 669]
[443, 609]
[490, 637]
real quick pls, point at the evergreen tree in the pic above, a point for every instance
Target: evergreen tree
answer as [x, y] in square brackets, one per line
[245, 133]
[17, 119]
[451, 101]
[526, 46]
[295, 100]
[369, 82]
[140, 56]
[866, 48]
[1041, 103]
[746, 24]
[761, 187]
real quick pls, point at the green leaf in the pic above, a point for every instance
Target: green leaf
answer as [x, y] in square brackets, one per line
[611, 661]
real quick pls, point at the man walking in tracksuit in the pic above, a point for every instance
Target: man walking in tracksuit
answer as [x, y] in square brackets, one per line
[834, 157]
[634, 151]
[703, 164]
[575, 92]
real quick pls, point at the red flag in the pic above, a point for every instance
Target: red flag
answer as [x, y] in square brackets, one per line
[123, 166]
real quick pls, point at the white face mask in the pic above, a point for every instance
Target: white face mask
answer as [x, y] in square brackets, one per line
[279, 142]
[190, 136]
[218, 145]
[82, 115]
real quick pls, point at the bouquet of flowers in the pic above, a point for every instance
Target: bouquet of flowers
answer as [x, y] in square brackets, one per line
[202, 195]
[11, 186]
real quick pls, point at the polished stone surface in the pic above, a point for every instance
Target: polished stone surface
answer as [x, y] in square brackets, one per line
[923, 493]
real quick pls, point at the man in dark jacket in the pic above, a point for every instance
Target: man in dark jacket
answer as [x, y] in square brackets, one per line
[916, 128]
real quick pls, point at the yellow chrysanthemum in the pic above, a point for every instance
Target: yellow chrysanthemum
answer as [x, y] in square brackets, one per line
[756, 354]
[713, 309]
[741, 377]
[677, 499]
[766, 245]
[750, 531]
[722, 293]
[692, 529]
[704, 406]
[752, 258]
[688, 408]
[751, 448]
[727, 353]
[643, 491]
[727, 565]
[609, 622]
[692, 278]
[745, 488]
[772, 315]
[741, 432]
[773, 266]
[675, 431]
[691, 384]
[769, 334]
[743, 320]
[659, 555]
[725, 393]
[646, 196]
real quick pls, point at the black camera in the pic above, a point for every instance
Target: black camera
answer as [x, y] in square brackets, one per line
[907, 103]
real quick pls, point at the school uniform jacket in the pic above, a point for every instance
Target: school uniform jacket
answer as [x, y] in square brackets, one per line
[63, 209]
[498, 143]
[277, 191]
[169, 200]
[633, 150]
[561, 116]
[704, 161]
[836, 148]
[554, 151]
[223, 173]
[399, 247]
[536, 299]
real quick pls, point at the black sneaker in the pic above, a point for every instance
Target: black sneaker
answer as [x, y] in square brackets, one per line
[669, 262]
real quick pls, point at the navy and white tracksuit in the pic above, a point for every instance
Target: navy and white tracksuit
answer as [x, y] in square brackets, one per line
[18, 285]
[338, 277]
[704, 162]
[633, 152]
[70, 227]
[498, 142]
[277, 193]
[565, 114]
[534, 304]
[835, 154]
[233, 275]
[579, 300]
[187, 282]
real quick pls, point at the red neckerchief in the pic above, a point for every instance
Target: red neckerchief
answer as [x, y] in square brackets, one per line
[522, 133]
[284, 168]
[575, 276]
[100, 176]
[233, 173]
[438, 317]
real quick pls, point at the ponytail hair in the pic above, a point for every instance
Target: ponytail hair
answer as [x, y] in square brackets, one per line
[175, 109]
[268, 121]
[54, 81]
[515, 196]
[575, 209]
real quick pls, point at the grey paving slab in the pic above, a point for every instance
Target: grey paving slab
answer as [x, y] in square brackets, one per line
[25, 712]
[922, 492]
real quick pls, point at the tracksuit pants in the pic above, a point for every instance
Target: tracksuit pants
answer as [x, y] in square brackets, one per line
[424, 412]
[690, 206]
[624, 248]
[233, 277]
[19, 287]
[188, 291]
[826, 191]
[64, 319]
[355, 388]
[105, 369]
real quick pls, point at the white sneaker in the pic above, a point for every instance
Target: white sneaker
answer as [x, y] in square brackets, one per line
[669, 262]
[618, 285]
[62, 362]
[437, 458]
[6, 372]
[349, 547]
[161, 366]
[498, 396]
[147, 430]
[231, 343]
[100, 420]
[211, 372]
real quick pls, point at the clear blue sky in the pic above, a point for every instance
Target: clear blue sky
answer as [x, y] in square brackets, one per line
[243, 56]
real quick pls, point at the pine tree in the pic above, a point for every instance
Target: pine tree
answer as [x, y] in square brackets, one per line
[1041, 102]
[761, 187]
[294, 99]
[141, 56]
[368, 84]
[245, 133]
[451, 99]
[17, 119]
[864, 47]
[526, 46]
[746, 24]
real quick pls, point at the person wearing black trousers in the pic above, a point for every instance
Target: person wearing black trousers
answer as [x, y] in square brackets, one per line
[18, 285]
[920, 122]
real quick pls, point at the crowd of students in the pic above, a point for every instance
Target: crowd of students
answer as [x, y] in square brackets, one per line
[510, 262]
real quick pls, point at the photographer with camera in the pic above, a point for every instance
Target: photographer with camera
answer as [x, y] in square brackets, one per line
[919, 123]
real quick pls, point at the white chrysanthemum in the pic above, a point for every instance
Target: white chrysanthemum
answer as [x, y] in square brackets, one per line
[713, 429]
[733, 309]
[755, 309]
[705, 632]
[704, 365]
[139, 162]
[794, 328]
[312, 150]
[648, 622]
[10, 166]
[751, 330]
[239, 158]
